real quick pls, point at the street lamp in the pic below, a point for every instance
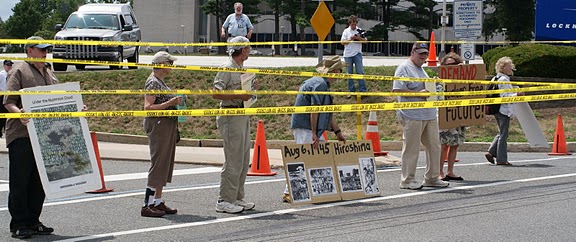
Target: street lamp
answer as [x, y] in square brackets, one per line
[504, 33]
[185, 49]
[281, 37]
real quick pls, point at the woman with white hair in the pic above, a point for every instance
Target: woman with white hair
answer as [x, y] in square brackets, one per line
[499, 148]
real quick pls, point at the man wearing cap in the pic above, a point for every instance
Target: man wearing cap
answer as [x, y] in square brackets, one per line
[419, 125]
[3, 75]
[162, 134]
[235, 131]
[26, 196]
[308, 128]
[237, 24]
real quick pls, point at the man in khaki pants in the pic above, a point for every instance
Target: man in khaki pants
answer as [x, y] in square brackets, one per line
[235, 132]
[419, 125]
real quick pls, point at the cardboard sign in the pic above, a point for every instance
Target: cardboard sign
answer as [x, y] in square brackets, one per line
[454, 117]
[356, 169]
[310, 173]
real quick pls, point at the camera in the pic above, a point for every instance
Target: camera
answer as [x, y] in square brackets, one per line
[361, 33]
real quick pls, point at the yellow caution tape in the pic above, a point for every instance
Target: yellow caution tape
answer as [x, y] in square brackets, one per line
[272, 92]
[292, 109]
[286, 73]
[164, 44]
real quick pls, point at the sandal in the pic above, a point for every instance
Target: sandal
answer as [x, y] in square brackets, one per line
[489, 157]
[503, 163]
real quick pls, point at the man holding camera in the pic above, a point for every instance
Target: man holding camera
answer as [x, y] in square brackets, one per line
[351, 38]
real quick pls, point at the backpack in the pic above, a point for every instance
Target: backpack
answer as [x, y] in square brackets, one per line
[492, 109]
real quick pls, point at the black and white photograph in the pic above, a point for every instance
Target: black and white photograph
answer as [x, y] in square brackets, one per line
[350, 178]
[369, 176]
[298, 182]
[322, 181]
[63, 147]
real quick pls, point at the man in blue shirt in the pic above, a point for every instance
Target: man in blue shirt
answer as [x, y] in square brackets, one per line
[237, 24]
[309, 127]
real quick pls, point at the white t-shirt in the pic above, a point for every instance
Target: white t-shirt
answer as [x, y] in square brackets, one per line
[354, 47]
[3, 76]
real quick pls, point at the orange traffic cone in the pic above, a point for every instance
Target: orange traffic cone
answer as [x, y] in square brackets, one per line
[97, 153]
[260, 161]
[432, 57]
[373, 135]
[325, 134]
[559, 147]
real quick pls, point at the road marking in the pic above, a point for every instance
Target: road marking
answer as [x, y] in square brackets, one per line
[143, 175]
[308, 208]
[4, 187]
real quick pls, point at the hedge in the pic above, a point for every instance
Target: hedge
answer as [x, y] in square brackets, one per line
[536, 60]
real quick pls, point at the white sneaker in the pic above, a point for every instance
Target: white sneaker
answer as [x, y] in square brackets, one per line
[226, 207]
[435, 183]
[245, 205]
[413, 185]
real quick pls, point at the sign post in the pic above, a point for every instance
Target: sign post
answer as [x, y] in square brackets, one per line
[322, 21]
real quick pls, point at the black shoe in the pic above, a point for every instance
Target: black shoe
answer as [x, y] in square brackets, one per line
[41, 229]
[22, 233]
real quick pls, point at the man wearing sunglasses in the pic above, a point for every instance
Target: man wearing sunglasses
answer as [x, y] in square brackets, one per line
[3, 76]
[26, 196]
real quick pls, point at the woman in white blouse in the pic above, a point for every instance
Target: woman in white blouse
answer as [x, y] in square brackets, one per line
[504, 69]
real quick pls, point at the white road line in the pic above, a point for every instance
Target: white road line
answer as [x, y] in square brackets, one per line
[311, 207]
[3, 181]
[4, 187]
[143, 175]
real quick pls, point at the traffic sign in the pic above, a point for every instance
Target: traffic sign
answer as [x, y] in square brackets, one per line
[468, 51]
[322, 21]
[468, 18]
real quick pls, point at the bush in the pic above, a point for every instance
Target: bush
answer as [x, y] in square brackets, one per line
[488, 55]
[537, 60]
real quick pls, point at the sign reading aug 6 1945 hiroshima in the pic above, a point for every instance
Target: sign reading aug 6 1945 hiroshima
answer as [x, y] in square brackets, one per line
[62, 146]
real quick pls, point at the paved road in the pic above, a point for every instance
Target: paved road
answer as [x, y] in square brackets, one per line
[531, 201]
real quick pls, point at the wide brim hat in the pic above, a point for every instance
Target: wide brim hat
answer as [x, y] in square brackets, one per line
[331, 63]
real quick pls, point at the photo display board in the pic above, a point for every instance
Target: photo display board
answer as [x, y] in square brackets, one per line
[62, 146]
[333, 172]
[356, 170]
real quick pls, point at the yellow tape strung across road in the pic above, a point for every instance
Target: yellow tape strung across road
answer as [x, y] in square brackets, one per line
[286, 73]
[292, 109]
[162, 44]
[271, 92]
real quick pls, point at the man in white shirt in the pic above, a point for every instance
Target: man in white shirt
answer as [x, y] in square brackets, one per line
[3, 76]
[353, 52]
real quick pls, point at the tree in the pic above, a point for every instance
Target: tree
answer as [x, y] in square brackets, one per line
[420, 17]
[517, 16]
[25, 20]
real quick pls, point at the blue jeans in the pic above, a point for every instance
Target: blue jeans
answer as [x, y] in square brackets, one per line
[356, 61]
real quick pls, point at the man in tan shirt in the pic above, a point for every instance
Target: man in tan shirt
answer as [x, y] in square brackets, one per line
[26, 196]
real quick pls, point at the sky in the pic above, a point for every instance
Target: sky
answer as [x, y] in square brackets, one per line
[6, 9]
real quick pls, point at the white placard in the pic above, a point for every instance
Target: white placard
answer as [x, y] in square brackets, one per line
[62, 146]
[530, 126]
[468, 51]
[468, 18]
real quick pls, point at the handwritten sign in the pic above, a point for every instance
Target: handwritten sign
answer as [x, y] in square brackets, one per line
[454, 117]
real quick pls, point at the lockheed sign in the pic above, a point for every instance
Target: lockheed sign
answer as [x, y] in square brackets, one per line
[555, 20]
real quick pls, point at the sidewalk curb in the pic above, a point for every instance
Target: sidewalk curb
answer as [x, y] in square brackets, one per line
[277, 144]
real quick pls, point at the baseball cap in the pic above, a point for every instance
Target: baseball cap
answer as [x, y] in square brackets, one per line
[237, 39]
[8, 62]
[162, 57]
[420, 48]
[39, 46]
